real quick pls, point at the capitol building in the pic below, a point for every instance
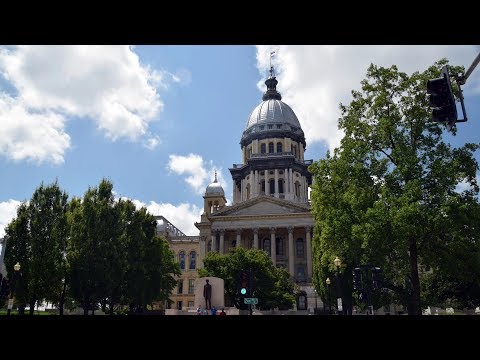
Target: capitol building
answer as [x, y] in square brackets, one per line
[270, 209]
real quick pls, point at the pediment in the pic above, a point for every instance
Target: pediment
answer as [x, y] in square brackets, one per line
[263, 205]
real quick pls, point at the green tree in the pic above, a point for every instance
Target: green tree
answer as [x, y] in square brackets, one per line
[385, 196]
[95, 249]
[43, 223]
[272, 285]
[151, 265]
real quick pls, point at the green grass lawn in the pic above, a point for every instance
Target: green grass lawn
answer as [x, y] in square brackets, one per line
[15, 312]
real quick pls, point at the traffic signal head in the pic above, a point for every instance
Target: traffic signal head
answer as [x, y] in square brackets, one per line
[357, 279]
[441, 99]
[376, 278]
[245, 283]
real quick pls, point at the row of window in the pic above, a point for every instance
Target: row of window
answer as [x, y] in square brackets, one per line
[279, 249]
[180, 304]
[191, 286]
[271, 149]
[193, 260]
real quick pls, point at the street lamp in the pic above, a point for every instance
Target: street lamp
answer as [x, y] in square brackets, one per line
[328, 296]
[337, 263]
[16, 267]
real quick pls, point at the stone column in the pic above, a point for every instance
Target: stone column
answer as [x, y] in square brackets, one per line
[256, 183]
[267, 184]
[239, 233]
[276, 183]
[290, 180]
[201, 255]
[214, 241]
[252, 183]
[255, 238]
[309, 252]
[291, 253]
[222, 241]
[285, 183]
[273, 246]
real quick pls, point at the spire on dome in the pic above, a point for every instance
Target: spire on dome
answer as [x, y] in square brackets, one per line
[271, 83]
[215, 176]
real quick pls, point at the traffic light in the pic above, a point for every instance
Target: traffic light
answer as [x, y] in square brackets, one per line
[245, 282]
[376, 278]
[357, 279]
[441, 99]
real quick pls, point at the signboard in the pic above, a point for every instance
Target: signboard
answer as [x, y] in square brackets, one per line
[10, 304]
[250, 300]
[339, 303]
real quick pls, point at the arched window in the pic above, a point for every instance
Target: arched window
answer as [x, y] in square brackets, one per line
[266, 246]
[280, 186]
[272, 186]
[181, 260]
[248, 191]
[263, 148]
[279, 147]
[193, 260]
[271, 147]
[300, 248]
[263, 186]
[297, 189]
[209, 246]
[279, 249]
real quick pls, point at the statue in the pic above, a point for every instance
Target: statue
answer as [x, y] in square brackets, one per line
[207, 294]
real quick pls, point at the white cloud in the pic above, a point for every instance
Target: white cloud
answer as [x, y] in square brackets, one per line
[463, 186]
[152, 142]
[28, 135]
[314, 80]
[198, 174]
[183, 216]
[107, 84]
[8, 210]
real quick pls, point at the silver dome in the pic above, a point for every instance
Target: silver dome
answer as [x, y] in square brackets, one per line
[214, 189]
[273, 111]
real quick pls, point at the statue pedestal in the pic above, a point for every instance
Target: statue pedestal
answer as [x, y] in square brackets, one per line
[218, 292]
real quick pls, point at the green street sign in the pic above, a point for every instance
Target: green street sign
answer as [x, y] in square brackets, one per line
[250, 301]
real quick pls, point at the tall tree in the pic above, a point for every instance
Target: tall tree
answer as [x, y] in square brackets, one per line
[272, 285]
[45, 223]
[385, 195]
[151, 264]
[95, 250]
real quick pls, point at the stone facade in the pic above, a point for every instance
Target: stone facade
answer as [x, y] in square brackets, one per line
[187, 253]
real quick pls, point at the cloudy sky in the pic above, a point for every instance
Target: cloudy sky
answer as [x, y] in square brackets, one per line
[158, 120]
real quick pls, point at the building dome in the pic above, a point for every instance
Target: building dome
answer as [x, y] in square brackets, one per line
[272, 118]
[215, 188]
[273, 112]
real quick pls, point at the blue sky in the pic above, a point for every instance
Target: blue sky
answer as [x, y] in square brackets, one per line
[157, 120]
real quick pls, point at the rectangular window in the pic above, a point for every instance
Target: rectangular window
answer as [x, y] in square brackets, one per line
[191, 286]
[190, 304]
[179, 305]
[180, 287]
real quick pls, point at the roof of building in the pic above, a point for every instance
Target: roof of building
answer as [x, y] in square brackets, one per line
[215, 188]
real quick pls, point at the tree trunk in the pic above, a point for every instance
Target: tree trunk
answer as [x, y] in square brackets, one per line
[33, 300]
[110, 310]
[62, 298]
[414, 308]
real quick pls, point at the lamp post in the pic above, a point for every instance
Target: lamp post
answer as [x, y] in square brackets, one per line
[337, 263]
[328, 295]
[16, 267]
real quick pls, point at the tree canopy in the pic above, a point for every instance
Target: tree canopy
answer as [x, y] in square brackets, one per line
[272, 285]
[388, 195]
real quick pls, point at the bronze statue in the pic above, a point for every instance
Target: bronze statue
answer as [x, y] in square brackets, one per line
[207, 294]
